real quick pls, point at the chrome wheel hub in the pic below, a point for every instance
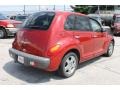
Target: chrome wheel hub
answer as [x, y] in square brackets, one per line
[111, 49]
[70, 65]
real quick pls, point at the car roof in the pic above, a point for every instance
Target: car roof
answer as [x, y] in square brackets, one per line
[65, 12]
[70, 12]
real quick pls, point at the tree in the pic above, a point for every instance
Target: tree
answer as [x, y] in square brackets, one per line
[81, 8]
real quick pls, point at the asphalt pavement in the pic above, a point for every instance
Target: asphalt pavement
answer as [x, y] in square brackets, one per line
[101, 70]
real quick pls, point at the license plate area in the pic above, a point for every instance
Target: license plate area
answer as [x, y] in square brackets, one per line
[20, 59]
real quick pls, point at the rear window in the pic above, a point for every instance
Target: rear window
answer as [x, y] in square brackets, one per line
[40, 21]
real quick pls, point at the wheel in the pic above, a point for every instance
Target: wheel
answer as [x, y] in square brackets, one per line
[2, 33]
[115, 34]
[68, 65]
[110, 49]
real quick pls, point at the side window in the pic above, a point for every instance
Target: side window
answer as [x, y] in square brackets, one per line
[69, 24]
[82, 23]
[95, 25]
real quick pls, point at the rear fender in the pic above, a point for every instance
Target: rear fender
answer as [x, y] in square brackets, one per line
[56, 57]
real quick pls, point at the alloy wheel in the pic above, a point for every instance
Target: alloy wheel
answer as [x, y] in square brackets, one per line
[110, 49]
[70, 65]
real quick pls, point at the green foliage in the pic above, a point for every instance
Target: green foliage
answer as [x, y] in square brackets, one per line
[81, 8]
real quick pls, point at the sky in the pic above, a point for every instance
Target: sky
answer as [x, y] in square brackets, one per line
[18, 9]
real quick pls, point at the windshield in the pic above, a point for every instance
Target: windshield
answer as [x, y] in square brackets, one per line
[40, 20]
[21, 18]
[2, 17]
[97, 18]
[117, 19]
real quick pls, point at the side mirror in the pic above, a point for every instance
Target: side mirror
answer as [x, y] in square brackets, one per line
[103, 22]
[105, 28]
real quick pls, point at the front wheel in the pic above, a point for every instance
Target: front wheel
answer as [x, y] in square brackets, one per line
[2, 33]
[68, 65]
[110, 49]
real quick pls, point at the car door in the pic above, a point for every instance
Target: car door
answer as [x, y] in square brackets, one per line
[99, 37]
[83, 33]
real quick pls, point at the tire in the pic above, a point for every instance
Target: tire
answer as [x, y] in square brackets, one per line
[2, 33]
[110, 49]
[115, 34]
[68, 65]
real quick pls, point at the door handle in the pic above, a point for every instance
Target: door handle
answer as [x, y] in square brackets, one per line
[77, 36]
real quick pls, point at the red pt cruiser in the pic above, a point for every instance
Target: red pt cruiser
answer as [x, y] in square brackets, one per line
[58, 41]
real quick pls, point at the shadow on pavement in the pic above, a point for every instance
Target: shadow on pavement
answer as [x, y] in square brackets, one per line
[92, 61]
[10, 37]
[34, 75]
[29, 74]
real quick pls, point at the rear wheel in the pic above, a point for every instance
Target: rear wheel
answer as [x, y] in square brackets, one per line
[110, 49]
[2, 33]
[68, 65]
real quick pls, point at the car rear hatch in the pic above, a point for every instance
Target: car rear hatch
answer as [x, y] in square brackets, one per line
[33, 38]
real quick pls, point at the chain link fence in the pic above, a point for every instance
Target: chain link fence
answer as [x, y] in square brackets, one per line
[28, 9]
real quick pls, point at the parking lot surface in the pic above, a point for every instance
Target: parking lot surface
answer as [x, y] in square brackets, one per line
[101, 70]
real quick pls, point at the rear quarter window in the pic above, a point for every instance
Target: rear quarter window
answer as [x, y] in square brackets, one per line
[70, 21]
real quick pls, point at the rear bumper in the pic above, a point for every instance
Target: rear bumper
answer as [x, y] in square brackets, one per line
[29, 59]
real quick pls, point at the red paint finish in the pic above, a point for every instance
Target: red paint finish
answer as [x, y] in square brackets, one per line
[4, 23]
[89, 44]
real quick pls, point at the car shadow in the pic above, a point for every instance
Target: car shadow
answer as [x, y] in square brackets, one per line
[29, 74]
[91, 61]
[118, 35]
[10, 37]
[34, 75]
